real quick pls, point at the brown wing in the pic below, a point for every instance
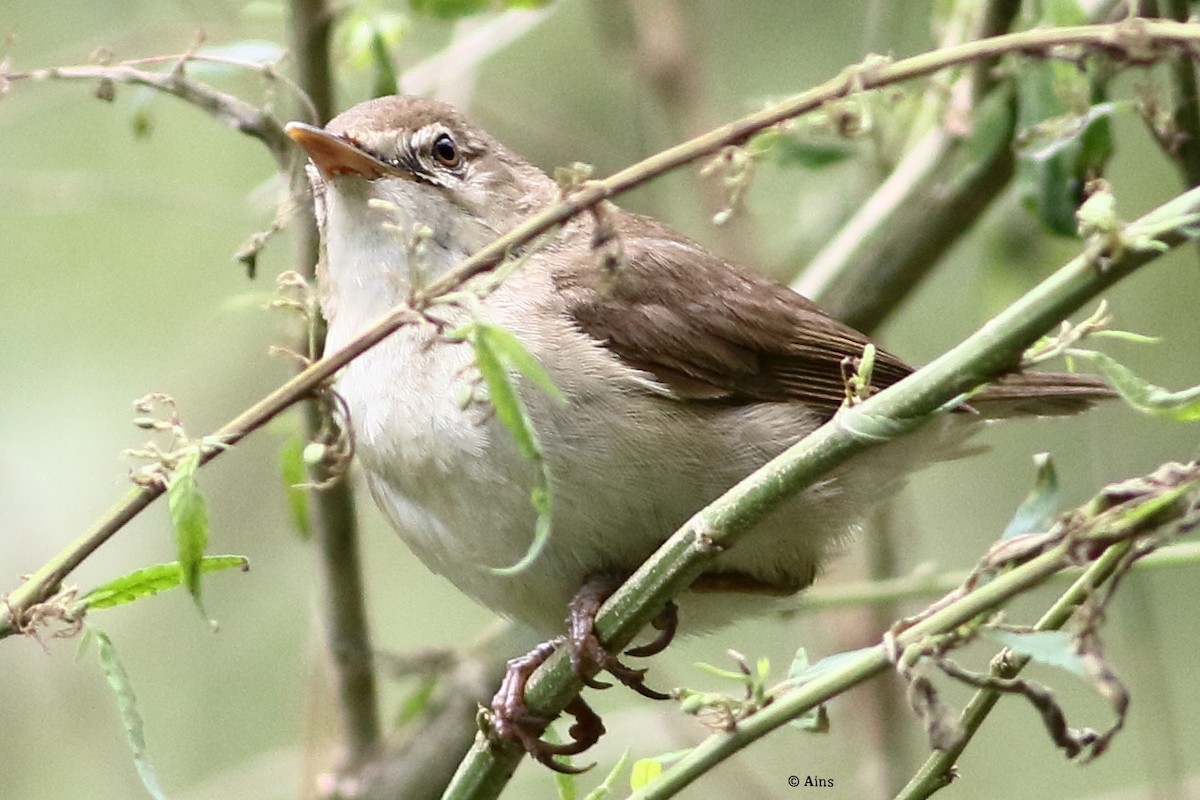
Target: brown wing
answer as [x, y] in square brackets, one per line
[708, 331]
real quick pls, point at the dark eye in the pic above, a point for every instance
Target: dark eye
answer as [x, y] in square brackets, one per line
[446, 151]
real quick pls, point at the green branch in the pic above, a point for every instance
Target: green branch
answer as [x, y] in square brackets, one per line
[907, 405]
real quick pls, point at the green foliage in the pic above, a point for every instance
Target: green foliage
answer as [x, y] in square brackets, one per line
[647, 770]
[610, 781]
[189, 516]
[1058, 158]
[1037, 510]
[449, 9]
[453, 9]
[791, 150]
[1053, 648]
[131, 718]
[1182, 406]
[151, 580]
[498, 354]
[417, 701]
[816, 719]
[365, 40]
[294, 471]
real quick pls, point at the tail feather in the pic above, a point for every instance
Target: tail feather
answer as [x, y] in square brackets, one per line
[1041, 394]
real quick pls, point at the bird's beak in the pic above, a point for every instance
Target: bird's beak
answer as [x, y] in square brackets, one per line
[336, 155]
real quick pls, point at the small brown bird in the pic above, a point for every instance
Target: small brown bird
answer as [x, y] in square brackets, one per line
[683, 373]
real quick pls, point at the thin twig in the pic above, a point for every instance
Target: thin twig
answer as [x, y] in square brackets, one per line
[225, 108]
[936, 773]
[266, 69]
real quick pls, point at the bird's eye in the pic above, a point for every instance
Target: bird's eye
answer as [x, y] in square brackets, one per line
[446, 151]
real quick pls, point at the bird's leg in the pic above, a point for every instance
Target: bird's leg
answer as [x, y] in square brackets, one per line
[511, 717]
[586, 649]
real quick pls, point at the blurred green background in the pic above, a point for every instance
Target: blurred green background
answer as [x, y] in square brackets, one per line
[115, 255]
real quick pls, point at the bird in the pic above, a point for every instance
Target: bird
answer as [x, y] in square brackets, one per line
[681, 373]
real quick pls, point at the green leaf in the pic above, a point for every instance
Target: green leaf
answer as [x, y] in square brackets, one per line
[566, 785]
[189, 516]
[1060, 151]
[497, 352]
[385, 81]
[515, 356]
[791, 151]
[541, 498]
[417, 701]
[449, 9]
[1047, 647]
[502, 393]
[816, 719]
[645, 772]
[152, 580]
[295, 474]
[721, 672]
[610, 782]
[1037, 510]
[526, 3]
[118, 681]
[1181, 406]
[828, 664]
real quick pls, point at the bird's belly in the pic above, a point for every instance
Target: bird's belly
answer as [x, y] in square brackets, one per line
[454, 486]
[627, 470]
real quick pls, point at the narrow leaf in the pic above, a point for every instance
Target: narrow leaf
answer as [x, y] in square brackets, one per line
[540, 497]
[503, 394]
[610, 782]
[189, 516]
[827, 664]
[385, 80]
[1182, 406]
[1046, 647]
[1037, 510]
[295, 474]
[118, 680]
[152, 580]
[496, 353]
[515, 356]
[645, 772]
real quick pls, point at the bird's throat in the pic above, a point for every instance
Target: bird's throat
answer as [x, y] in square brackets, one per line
[382, 241]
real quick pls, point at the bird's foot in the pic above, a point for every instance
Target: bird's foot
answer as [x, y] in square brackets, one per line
[586, 650]
[512, 719]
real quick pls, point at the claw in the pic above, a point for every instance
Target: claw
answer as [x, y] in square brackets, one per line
[585, 648]
[511, 719]
[666, 623]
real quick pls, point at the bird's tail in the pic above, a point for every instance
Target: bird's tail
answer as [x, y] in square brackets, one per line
[1041, 394]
